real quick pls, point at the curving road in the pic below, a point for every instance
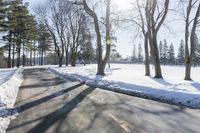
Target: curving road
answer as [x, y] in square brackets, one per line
[48, 104]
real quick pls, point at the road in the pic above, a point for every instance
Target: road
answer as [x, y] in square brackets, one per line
[48, 104]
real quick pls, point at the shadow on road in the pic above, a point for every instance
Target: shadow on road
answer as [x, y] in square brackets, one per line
[37, 102]
[55, 116]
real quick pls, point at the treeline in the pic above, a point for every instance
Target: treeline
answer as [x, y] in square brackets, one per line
[66, 28]
[167, 53]
[63, 35]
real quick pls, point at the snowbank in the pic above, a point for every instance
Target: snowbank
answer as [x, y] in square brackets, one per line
[130, 79]
[10, 80]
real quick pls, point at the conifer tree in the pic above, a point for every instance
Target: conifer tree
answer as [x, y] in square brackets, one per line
[181, 54]
[171, 55]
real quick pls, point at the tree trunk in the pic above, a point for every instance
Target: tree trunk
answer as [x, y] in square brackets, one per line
[9, 56]
[23, 56]
[66, 54]
[34, 62]
[30, 57]
[147, 66]
[19, 52]
[187, 71]
[13, 56]
[73, 58]
[60, 61]
[158, 72]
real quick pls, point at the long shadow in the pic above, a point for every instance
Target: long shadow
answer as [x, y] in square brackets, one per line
[161, 81]
[154, 94]
[64, 111]
[32, 96]
[196, 85]
[45, 99]
[37, 102]
[43, 84]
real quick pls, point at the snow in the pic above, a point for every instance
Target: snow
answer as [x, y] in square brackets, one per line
[130, 79]
[10, 80]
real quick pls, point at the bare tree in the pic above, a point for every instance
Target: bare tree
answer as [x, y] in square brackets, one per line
[155, 15]
[75, 18]
[55, 23]
[100, 60]
[194, 23]
[141, 22]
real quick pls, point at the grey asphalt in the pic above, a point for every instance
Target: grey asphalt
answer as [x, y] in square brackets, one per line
[48, 104]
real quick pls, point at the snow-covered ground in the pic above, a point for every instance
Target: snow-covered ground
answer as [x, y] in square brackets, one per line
[130, 79]
[10, 80]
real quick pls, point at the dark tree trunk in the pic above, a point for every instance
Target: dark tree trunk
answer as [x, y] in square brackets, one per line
[189, 56]
[158, 72]
[13, 56]
[30, 57]
[23, 56]
[60, 61]
[18, 52]
[34, 62]
[9, 54]
[66, 54]
[147, 66]
[73, 57]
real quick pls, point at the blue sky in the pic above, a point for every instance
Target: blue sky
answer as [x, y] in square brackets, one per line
[125, 36]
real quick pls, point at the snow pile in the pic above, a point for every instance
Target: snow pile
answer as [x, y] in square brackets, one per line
[130, 79]
[10, 80]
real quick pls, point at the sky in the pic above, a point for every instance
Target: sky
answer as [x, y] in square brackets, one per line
[125, 37]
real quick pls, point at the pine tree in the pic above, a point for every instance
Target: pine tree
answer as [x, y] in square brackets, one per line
[3, 14]
[140, 56]
[44, 41]
[181, 54]
[165, 52]
[134, 57]
[160, 49]
[197, 51]
[171, 55]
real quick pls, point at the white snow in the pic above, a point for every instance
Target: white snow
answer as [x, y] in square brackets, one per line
[130, 79]
[10, 80]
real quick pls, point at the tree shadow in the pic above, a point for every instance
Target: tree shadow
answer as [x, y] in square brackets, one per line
[196, 85]
[57, 115]
[161, 81]
[160, 95]
[37, 102]
[43, 84]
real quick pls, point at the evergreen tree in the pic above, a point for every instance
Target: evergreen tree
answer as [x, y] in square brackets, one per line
[44, 42]
[140, 56]
[165, 52]
[171, 55]
[3, 14]
[181, 54]
[160, 50]
[134, 57]
[197, 51]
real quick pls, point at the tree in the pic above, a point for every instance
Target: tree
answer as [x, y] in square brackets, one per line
[171, 55]
[193, 22]
[155, 15]
[197, 51]
[76, 21]
[55, 28]
[165, 52]
[140, 55]
[44, 41]
[134, 56]
[141, 22]
[100, 60]
[17, 26]
[181, 54]
[161, 51]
